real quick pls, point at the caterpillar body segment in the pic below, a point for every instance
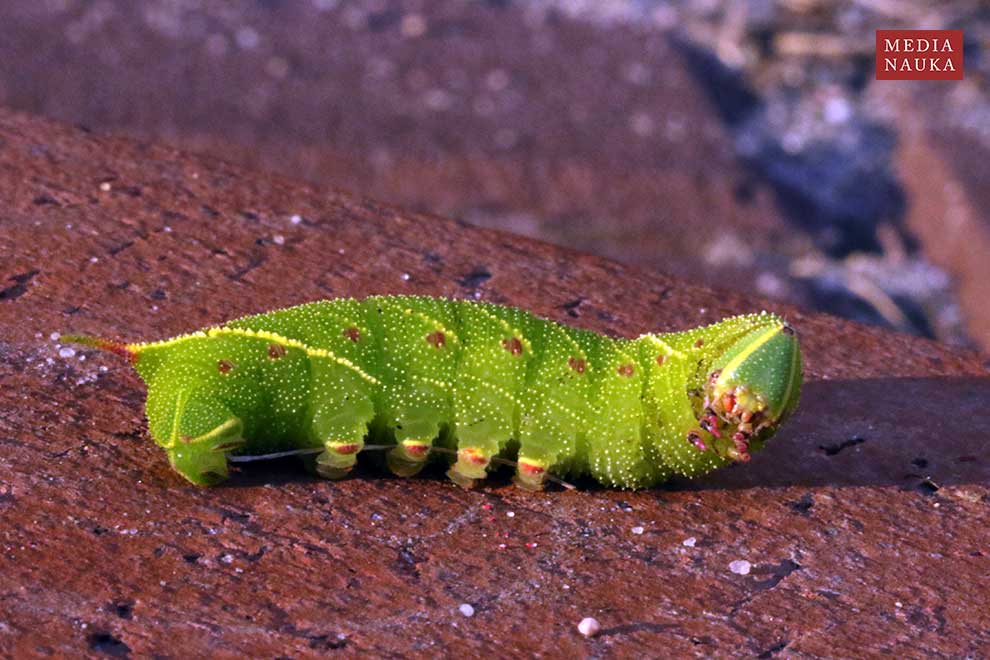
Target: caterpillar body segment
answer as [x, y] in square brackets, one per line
[481, 381]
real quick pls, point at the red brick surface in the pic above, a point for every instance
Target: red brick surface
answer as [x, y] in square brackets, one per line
[864, 521]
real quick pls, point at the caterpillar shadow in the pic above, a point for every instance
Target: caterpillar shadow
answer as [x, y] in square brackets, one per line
[915, 433]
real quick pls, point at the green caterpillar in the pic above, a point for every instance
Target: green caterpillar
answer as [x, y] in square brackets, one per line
[422, 374]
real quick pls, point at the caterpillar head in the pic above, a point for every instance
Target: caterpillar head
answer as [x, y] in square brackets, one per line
[751, 388]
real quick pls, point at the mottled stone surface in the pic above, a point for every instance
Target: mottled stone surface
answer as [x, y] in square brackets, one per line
[864, 523]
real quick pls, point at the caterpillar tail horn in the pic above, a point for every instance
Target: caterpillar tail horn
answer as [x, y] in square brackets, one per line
[109, 345]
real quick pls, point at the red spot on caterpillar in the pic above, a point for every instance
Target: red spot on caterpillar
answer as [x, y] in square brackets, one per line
[417, 450]
[224, 367]
[626, 370]
[531, 468]
[436, 339]
[661, 359]
[276, 351]
[186, 439]
[513, 345]
[699, 343]
[347, 449]
[576, 364]
[353, 334]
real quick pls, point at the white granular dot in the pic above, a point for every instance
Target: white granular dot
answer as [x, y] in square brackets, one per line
[105, 186]
[278, 239]
[227, 559]
[690, 541]
[510, 514]
[637, 530]
[466, 609]
[740, 567]
[405, 277]
[66, 352]
[296, 219]
[54, 336]
[589, 627]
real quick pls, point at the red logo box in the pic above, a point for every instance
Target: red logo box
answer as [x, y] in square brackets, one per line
[919, 55]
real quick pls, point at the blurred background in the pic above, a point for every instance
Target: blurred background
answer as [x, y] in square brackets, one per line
[743, 144]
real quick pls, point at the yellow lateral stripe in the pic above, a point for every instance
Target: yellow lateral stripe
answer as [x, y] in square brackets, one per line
[665, 347]
[293, 343]
[257, 334]
[165, 343]
[749, 350]
[791, 376]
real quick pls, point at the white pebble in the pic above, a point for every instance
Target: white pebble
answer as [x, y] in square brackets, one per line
[105, 186]
[227, 559]
[637, 530]
[278, 239]
[66, 352]
[510, 514]
[690, 541]
[296, 219]
[740, 567]
[466, 609]
[54, 336]
[405, 277]
[589, 627]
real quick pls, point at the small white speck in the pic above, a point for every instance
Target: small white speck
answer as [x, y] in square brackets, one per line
[105, 186]
[227, 559]
[66, 352]
[689, 542]
[566, 587]
[898, 604]
[82, 357]
[466, 609]
[103, 368]
[637, 530]
[295, 219]
[510, 514]
[740, 567]
[54, 336]
[93, 260]
[278, 239]
[405, 277]
[167, 229]
[589, 627]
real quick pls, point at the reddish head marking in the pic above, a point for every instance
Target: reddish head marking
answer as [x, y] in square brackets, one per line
[576, 364]
[436, 339]
[626, 370]
[276, 351]
[347, 449]
[696, 440]
[513, 345]
[353, 334]
[224, 367]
